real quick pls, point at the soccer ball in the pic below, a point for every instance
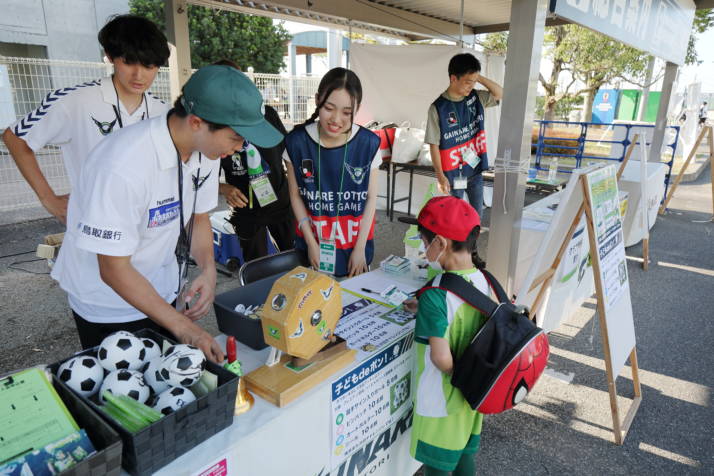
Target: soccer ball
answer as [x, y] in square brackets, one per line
[152, 349]
[152, 376]
[126, 382]
[121, 350]
[82, 374]
[172, 399]
[182, 365]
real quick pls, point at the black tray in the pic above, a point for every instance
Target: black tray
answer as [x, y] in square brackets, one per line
[160, 443]
[107, 459]
[232, 323]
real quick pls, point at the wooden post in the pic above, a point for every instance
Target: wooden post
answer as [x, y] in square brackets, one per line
[707, 130]
[627, 156]
[547, 276]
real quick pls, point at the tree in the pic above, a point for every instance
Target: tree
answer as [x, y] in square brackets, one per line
[703, 20]
[249, 40]
[592, 59]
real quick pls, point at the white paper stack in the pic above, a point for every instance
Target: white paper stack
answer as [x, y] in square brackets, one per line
[395, 264]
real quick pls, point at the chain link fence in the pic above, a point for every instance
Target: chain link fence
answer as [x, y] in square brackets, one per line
[24, 82]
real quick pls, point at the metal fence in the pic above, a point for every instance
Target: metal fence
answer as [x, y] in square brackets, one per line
[24, 82]
[566, 144]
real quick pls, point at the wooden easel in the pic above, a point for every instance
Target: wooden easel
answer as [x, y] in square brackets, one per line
[620, 427]
[645, 241]
[706, 131]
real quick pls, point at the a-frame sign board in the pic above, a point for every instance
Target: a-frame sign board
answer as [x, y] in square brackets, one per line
[593, 192]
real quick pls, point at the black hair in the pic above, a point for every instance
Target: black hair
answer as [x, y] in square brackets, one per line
[337, 78]
[227, 62]
[135, 39]
[469, 244]
[464, 63]
[180, 111]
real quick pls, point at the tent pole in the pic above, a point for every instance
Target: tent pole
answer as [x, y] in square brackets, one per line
[461, 26]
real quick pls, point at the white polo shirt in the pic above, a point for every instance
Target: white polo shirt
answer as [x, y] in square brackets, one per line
[78, 118]
[127, 204]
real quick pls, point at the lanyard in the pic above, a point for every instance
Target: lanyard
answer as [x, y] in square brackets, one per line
[183, 247]
[319, 175]
[117, 109]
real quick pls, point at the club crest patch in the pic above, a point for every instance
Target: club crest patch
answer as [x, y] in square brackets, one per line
[105, 128]
[199, 181]
[356, 173]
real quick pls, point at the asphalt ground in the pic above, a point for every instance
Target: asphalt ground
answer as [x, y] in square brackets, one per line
[564, 425]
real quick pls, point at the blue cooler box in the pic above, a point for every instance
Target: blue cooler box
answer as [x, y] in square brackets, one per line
[226, 247]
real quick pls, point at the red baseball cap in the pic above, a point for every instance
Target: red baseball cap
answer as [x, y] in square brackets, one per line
[447, 216]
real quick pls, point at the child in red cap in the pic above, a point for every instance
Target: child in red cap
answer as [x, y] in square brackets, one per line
[446, 431]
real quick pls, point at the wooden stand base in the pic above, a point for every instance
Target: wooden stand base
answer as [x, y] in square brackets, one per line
[281, 384]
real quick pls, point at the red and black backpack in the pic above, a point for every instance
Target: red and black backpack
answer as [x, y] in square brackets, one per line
[504, 360]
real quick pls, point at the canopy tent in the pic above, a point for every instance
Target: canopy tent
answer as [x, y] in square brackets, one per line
[452, 20]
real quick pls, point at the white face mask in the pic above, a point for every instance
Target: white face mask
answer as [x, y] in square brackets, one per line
[434, 264]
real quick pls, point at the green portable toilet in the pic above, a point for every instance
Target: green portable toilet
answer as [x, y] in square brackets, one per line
[629, 102]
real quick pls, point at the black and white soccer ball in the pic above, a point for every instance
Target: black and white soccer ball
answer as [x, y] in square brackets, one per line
[172, 399]
[153, 378]
[152, 349]
[82, 374]
[182, 365]
[126, 382]
[121, 350]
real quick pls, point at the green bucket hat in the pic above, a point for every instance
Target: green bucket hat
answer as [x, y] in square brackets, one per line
[224, 95]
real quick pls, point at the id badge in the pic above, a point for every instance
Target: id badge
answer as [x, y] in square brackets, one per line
[263, 190]
[328, 256]
[460, 182]
[470, 157]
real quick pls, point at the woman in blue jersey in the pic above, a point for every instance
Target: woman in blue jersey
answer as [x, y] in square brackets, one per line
[332, 177]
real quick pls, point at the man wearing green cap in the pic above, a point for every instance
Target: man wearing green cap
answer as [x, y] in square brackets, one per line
[142, 206]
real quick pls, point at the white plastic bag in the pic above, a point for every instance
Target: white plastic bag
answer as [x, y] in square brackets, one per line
[425, 155]
[407, 144]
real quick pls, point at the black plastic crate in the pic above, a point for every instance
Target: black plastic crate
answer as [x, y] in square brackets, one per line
[160, 443]
[107, 459]
[244, 329]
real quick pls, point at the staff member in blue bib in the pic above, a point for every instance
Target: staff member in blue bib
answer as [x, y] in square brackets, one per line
[332, 171]
[456, 130]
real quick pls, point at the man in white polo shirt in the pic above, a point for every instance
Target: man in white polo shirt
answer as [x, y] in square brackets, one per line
[78, 118]
[118, 263]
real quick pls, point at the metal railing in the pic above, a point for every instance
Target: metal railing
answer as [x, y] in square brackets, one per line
[593, 142]
[24, 82]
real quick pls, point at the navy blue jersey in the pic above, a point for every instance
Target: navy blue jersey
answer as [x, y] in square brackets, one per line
[333, 185]
[461, 124]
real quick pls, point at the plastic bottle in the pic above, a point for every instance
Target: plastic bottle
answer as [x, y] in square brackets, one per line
[553, 170]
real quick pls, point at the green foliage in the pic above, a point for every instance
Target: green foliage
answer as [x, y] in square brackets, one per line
[248, 40]
[703, 20]
[495, 43]
[561, 109]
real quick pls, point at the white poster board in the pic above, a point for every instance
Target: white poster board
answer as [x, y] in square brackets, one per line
[572, 198]
[610, 244]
